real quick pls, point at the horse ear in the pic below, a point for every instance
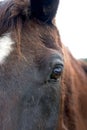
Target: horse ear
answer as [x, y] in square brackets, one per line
[44, 10]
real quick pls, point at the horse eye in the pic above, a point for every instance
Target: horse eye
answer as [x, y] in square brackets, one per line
[56, 73]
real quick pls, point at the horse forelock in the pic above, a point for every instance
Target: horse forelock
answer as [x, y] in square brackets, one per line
[12, 16]
[11, 12]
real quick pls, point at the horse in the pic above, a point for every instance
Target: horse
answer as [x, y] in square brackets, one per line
[42, 86]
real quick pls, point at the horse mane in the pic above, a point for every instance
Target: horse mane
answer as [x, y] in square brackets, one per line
[11, 13]
[83, 65]
[74, 70]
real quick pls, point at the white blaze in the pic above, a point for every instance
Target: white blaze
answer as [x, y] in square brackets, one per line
[5, 46]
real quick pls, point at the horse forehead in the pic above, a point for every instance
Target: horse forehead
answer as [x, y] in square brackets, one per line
[6, 43]
[31, 37]
[38, 33]
[34, 28]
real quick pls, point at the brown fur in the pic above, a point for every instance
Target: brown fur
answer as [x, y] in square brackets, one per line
[73, 109]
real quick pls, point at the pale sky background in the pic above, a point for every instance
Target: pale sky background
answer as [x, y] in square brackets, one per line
[72, 24]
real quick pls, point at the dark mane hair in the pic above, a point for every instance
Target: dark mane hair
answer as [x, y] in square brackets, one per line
[83, 65]
[14, 11]
[11, 13]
